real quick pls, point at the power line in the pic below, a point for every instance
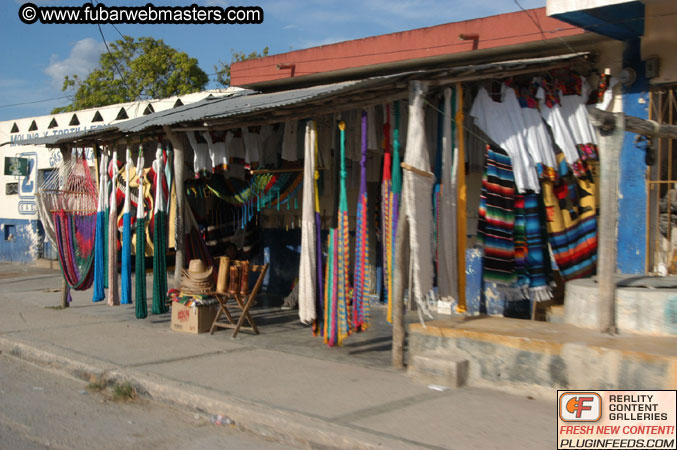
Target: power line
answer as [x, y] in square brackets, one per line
[35, 101]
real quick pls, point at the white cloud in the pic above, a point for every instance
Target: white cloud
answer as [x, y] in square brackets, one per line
[221, 3]
[84, 57]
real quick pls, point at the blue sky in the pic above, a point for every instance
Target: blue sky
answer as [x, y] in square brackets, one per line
[35, 58]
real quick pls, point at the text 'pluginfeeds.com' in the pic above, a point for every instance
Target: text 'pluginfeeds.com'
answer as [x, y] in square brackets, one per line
[101, 14]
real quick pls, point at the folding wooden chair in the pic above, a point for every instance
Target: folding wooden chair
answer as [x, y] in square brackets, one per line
[239, 291]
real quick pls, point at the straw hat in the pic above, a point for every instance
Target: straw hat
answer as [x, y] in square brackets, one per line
[197, 270]
[198, 278]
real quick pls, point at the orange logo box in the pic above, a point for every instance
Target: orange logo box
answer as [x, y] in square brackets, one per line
[580, 406]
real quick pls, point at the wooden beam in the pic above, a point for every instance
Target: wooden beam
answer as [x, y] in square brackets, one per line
[606, 121]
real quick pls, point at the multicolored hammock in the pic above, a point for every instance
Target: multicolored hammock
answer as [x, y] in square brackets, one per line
[361, 280]
[70, 196]
[386, 210]
[394, 208]
[112, 260]
[337, 309]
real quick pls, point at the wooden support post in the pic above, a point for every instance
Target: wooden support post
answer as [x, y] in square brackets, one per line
[177, 143]
[610, 143]
[64, 294]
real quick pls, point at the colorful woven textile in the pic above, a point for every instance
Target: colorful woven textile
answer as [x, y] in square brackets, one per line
[101, 230]
[141, 309]
[386, 209]
[497, 218]
[160, 247]
[343, 249]
[395, 195]
[361, 282]
[331, 291]
[538, 257]
[572, 224]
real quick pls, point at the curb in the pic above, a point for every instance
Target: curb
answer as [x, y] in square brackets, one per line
[286, 427]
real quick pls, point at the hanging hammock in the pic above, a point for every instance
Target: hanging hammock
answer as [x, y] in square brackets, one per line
[141, 309]
[70, 196]
[337, 309]
[395, 194]
[386, 208]
[101, 230]
[160, 247]
[112, 246]
[361, 284]
[126, 265]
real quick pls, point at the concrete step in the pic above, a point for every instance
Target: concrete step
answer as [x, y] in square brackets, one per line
[439, 368]
[555, 314]
[507, 353]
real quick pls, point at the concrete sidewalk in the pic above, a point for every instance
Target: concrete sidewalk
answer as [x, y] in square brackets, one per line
[283, 384]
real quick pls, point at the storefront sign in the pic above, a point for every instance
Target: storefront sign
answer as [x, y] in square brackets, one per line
[16, 166]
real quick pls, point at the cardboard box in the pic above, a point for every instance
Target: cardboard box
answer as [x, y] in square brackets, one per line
[194, 320]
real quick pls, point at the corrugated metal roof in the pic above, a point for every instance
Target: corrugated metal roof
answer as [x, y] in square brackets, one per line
[248, 102]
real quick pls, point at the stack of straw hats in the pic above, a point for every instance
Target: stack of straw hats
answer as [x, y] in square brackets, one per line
[198, 278]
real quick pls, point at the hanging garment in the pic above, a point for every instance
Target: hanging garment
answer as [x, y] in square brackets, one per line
[289, 142]
[574, 94]
[497, 220]
[447, 280]
[113, 289]
[101, 229]
[141, 309]
[126, 264]
[536, 135]
[416, 194]
[252, 145]
[217, 153]
[307, 266]
[551, 112]
[160, 243]
[362, 281]
[500, 123]
[202, 164]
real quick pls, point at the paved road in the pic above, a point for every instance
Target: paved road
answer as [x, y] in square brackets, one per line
[43, 410]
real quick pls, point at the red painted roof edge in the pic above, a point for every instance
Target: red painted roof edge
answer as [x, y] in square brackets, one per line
[500, 30]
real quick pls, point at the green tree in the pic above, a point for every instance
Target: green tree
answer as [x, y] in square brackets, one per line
[135, 69]
[222, 69]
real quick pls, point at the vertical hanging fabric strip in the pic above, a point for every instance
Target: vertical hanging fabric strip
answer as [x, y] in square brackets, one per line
[343, 326]
[319, 289]
[447, 274]
[113, 292]
[386, 207]
[141, 309]
[106, 209]
[461, 208]
[307, 265]
[395, 194]
[360, 304]
[160, 244]
[99, 249]
[126, 265]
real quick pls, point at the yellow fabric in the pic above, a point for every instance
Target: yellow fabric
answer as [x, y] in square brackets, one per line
[461, 212]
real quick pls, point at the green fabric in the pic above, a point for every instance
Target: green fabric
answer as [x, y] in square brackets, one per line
[396, 169]
[160, 264]
[140, 273]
